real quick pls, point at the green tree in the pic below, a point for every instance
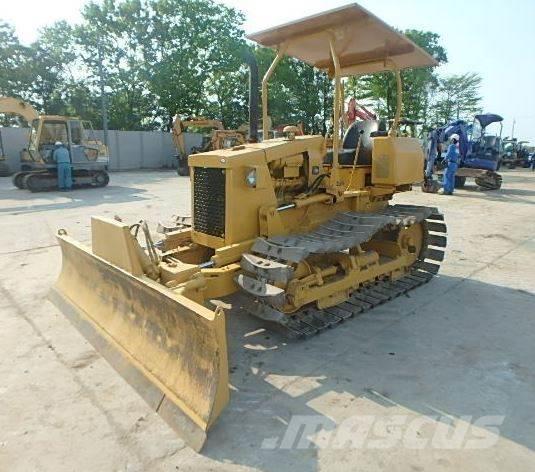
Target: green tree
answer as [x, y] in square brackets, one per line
[108, 38]
[457, 98]
[163, 57]
[198, 62]
[44, 72]
[228, 97]
[12, 77]
[49, 65]
[297, 92]
[418, 84]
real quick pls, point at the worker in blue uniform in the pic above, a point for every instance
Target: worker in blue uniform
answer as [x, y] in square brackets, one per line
[452, 162]
[62, 158]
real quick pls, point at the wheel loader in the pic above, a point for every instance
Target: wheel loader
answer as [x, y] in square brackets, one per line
[312, 243]
[89, 157]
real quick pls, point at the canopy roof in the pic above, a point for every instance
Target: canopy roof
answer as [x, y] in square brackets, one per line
[487, 118]
[363, 42]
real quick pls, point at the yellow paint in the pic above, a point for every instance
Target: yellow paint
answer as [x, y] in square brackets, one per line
[162, 327]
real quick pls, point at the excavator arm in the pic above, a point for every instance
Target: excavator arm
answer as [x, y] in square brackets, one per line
[178, 135]
[15, 106]
[179, 127]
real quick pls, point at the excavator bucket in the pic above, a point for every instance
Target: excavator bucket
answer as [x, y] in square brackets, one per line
[172, 350]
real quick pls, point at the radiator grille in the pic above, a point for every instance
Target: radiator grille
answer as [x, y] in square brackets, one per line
[209, 201]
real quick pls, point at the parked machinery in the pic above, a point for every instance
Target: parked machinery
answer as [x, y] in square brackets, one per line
[480, 151]
[217, 138]
[13, 106]
[89, 157]
[312, 238]
[515, 153]
[5, 171]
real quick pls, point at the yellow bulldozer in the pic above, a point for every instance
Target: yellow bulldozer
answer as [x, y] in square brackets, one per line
[311, 235]
[89, 157]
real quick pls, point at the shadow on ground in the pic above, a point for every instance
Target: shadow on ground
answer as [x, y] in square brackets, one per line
[505, 195]
[446, 347]
[122, 189]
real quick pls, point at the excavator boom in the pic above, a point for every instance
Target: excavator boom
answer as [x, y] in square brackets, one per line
[15, 106]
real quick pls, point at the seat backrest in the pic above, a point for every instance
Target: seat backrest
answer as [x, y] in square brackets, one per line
[353, 134]
[490, 141]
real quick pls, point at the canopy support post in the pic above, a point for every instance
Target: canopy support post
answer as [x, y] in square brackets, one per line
[335, 183]
[399, 104]
[268, 74]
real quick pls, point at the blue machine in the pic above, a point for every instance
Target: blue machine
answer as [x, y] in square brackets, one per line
[480, 154]
[478, 151]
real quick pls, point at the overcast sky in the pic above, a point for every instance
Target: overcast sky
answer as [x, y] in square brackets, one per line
[492, 37]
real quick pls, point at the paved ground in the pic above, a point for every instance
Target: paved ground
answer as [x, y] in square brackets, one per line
[459, 348]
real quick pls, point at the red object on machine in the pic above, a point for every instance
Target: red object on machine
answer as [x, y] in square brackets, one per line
[355, 110]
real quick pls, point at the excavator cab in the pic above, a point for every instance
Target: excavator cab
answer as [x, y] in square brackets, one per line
[76, 134]
[311, 242]
[89, 156]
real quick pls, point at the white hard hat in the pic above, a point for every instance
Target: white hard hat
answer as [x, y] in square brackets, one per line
[454, 136]
[58, 143]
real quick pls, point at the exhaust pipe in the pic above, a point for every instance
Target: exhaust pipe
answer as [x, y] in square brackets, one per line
[250, 60]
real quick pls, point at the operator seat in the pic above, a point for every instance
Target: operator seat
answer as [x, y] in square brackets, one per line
[364, 130]
[490, 142]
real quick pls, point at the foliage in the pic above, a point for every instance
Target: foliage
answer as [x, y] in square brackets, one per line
[162, 57]
[297, 92]
[169, 53]
[12, 56]
[457, 98]
[418, 84]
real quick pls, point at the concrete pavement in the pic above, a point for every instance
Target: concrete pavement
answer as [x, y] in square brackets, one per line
[452, 352]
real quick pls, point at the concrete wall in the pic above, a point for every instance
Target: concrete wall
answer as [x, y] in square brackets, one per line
[129, 150]
[14, 139]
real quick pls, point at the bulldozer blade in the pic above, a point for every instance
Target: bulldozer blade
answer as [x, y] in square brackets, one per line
[171, 350]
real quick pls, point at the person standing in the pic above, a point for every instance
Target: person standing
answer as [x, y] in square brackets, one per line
[452, 162]
[63, 161]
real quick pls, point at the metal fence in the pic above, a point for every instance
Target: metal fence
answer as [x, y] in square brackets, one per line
[129, 150]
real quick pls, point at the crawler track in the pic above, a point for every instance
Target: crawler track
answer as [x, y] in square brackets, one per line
[309, 321]
[489, 181]
[43, 181]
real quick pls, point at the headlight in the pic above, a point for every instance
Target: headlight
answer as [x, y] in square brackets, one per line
[250, 178]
